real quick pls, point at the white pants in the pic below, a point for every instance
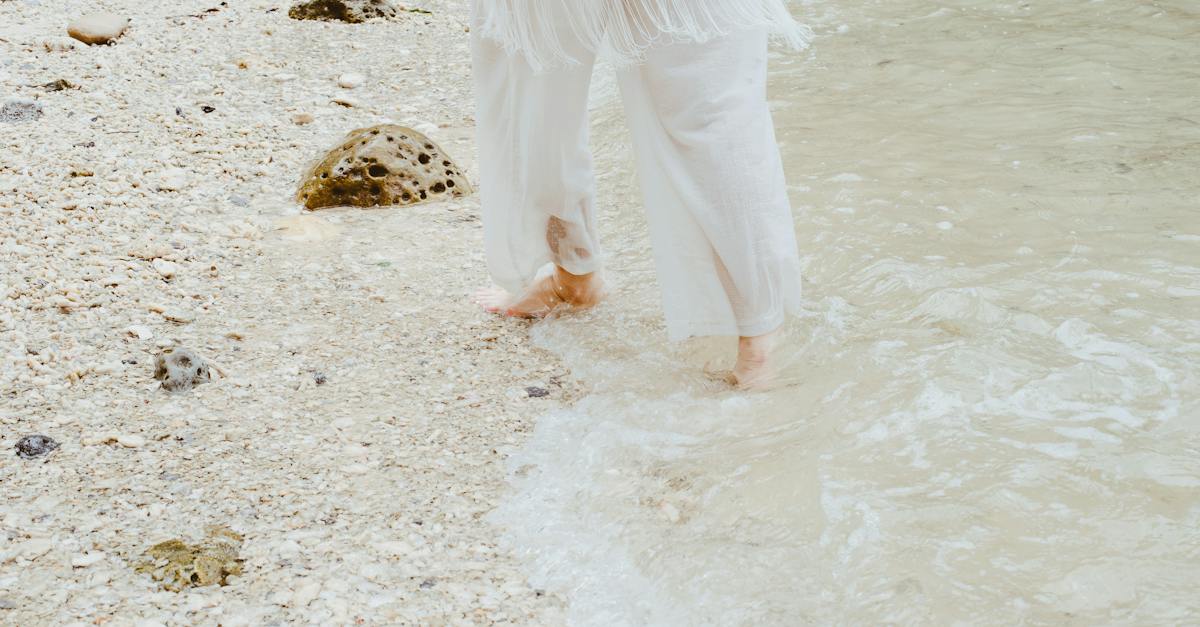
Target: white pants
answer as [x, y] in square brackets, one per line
[709, 167]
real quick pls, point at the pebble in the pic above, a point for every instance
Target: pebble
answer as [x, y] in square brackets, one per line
[140, 331]
[131, 441]
[165, 269]
[98, 28]
[59, 44]
[305, 594]
[351, 80]
[181, 316]
[20, 110]
[346, 102]
[669, 511]
[355, 469]
[303, 118]
[32, 446]
[536, 392]
[87, 559]
[173, 180]
[36, 547]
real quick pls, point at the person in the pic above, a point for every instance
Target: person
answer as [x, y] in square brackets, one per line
[692, 76]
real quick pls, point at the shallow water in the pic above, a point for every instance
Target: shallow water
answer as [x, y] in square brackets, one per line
[990, 410]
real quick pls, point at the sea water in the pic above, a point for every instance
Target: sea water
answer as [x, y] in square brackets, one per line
[989, 410]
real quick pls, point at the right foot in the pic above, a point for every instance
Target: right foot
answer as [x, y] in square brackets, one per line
[559, 290]
[755, 369]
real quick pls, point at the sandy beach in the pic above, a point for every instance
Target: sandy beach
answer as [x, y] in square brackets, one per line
[987, 411]
[358, 436]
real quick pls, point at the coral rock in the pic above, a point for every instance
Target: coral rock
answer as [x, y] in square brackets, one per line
[382, 165]
[350, 11]
[98, 28]
[180, 369]
[32, 446]
[178, 565]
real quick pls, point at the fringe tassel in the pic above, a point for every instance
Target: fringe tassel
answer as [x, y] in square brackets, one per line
[622, 30]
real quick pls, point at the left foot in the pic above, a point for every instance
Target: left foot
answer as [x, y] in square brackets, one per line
[561, 289]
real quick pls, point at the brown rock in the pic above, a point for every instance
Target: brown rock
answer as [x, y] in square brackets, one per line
[98, 28]
[350, 11]
[382, 165]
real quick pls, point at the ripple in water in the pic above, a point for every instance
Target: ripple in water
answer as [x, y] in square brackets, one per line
[990, 411]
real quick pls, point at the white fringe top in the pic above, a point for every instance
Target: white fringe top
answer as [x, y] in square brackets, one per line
[549, 32]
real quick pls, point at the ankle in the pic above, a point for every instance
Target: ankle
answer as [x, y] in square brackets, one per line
[568, 283]
[758, 347]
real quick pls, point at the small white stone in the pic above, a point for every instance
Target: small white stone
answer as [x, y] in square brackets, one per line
[98, 28]
[945, 226]
[669, 511]
[36, 548]
[305, 594]
[356, 469]
[140, 331]
[108, 368]
[394, 547]
[351, 80]
[59, 44]
[173, 180]
[131, 441]
[87, 559]
[166, 269]
[425, 128]
[178, 315]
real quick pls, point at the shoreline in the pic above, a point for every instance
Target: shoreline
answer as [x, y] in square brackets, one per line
[363, 497]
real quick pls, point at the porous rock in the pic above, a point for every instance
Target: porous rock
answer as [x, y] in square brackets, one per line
[32, 446]
[178, 565]
[20, 110]
[382, 165]
[180, 369]
[350, 11]
[98, 28]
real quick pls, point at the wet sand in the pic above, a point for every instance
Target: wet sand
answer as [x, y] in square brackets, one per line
[990, 410]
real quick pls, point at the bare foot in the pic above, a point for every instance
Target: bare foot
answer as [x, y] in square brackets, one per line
[755, 369]
[559, 290]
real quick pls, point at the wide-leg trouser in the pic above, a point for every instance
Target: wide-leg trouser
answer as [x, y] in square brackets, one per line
[709, 167]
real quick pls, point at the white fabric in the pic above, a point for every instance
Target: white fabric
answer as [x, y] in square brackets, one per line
[547, 32]
[709, 167]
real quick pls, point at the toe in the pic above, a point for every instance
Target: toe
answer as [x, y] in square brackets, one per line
[492, 300]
